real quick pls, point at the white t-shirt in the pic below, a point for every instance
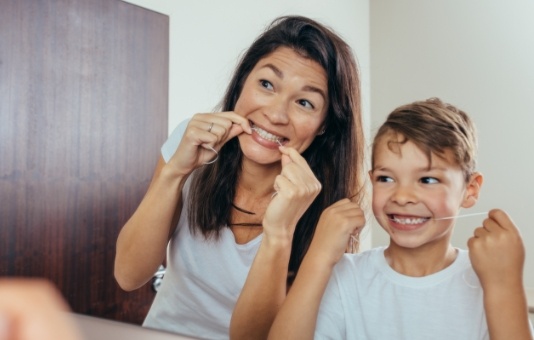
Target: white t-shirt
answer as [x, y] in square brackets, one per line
[366, 299]
[203, 279]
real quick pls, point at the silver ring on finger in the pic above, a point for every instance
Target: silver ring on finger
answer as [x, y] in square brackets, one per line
[211, 127]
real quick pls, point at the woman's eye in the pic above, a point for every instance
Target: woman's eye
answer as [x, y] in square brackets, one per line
[429, 180]
[267, 84]
[384, 179]
[306, 104]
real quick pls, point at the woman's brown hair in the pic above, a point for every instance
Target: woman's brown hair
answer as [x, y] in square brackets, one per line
[335, 157]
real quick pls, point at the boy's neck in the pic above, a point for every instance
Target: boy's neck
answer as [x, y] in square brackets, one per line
[420, 261]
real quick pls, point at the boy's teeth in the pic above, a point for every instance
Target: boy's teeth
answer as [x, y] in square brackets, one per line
[266, 135]
[412, 220]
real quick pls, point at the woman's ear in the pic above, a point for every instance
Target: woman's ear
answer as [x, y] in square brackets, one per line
[473, 189]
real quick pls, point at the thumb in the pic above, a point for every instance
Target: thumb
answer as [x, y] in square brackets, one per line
[235, 130]
[286, 160]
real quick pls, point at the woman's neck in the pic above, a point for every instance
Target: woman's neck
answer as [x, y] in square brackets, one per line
[256, 181]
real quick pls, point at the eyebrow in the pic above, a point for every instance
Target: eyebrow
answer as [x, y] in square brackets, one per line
[421, 169]
[307, 88]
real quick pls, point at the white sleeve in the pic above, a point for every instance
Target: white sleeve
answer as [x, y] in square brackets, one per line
[169, 147]
[331, 319]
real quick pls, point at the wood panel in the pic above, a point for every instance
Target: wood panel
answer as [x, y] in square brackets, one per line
[83, 113]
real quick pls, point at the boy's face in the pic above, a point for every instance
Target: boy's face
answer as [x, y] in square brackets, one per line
[408, 195]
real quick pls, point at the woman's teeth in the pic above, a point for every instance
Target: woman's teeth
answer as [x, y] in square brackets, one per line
[409, 220]
[266, 135]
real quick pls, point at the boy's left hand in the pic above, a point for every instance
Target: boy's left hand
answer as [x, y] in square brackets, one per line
[497, 252]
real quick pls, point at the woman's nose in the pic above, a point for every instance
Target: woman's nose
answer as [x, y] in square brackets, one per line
[277, 111]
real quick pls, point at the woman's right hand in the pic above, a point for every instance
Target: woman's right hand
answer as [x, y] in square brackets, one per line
[296, 187]
[206, 131]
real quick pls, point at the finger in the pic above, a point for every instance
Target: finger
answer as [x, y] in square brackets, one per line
[480, 232]
[236, 119]
[501, 219]
[283, 185]
[341, 202]
[299, 173]
[221, 124]
[296, 158]
[285, 160]
[345, 206]
[301, 178]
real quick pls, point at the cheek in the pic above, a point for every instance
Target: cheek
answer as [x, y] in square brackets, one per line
[442, 204]
[306, 129]
[240, 106]
[377, 202]
[244, 102]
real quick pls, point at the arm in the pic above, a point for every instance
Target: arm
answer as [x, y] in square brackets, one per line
[297, 319]
[142, 242]
[497, 254]
[265, 288]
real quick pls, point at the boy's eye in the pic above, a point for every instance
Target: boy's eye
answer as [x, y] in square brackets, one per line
[429, 180]
[267, 84]
[384, 179]
[306, 104]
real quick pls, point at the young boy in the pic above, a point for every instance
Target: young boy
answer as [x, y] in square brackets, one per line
[420, 286]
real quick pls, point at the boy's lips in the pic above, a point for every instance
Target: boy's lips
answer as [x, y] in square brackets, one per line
[407, 219]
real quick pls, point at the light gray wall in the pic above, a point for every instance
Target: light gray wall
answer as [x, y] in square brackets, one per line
[478, 55]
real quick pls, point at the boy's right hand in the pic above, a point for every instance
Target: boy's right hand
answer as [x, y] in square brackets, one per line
[205, 131]
[497, 252]
[336, 225]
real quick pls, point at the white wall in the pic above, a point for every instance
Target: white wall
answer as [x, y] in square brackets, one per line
[207, 37]
[478, 55]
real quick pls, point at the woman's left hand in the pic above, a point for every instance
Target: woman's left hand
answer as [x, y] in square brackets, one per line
[296, 188]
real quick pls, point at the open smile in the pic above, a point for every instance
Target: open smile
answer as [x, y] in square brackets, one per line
[408, 220]
[267, 135]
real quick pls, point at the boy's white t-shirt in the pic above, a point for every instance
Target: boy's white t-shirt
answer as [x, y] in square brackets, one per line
[366, 299]
[203, 278]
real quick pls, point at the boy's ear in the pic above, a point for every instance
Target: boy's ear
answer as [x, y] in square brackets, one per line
[473, 189]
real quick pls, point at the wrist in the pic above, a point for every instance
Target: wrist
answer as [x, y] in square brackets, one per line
[277, 240]
[172, 178]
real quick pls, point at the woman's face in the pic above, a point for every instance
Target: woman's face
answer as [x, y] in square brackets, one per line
[285, 98]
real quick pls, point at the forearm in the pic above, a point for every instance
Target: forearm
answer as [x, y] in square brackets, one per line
[507, 313]
[264, 291]
[297, 317]
[142, 242]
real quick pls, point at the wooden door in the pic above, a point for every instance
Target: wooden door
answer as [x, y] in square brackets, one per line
[83, 113]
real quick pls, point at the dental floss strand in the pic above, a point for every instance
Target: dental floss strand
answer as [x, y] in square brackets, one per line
[460, 216]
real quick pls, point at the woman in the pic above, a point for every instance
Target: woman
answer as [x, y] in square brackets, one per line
[241, 190]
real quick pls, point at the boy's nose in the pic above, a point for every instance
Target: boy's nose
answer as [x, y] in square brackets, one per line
[404, 195]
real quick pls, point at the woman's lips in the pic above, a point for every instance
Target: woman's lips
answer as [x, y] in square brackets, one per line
[268, 136]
